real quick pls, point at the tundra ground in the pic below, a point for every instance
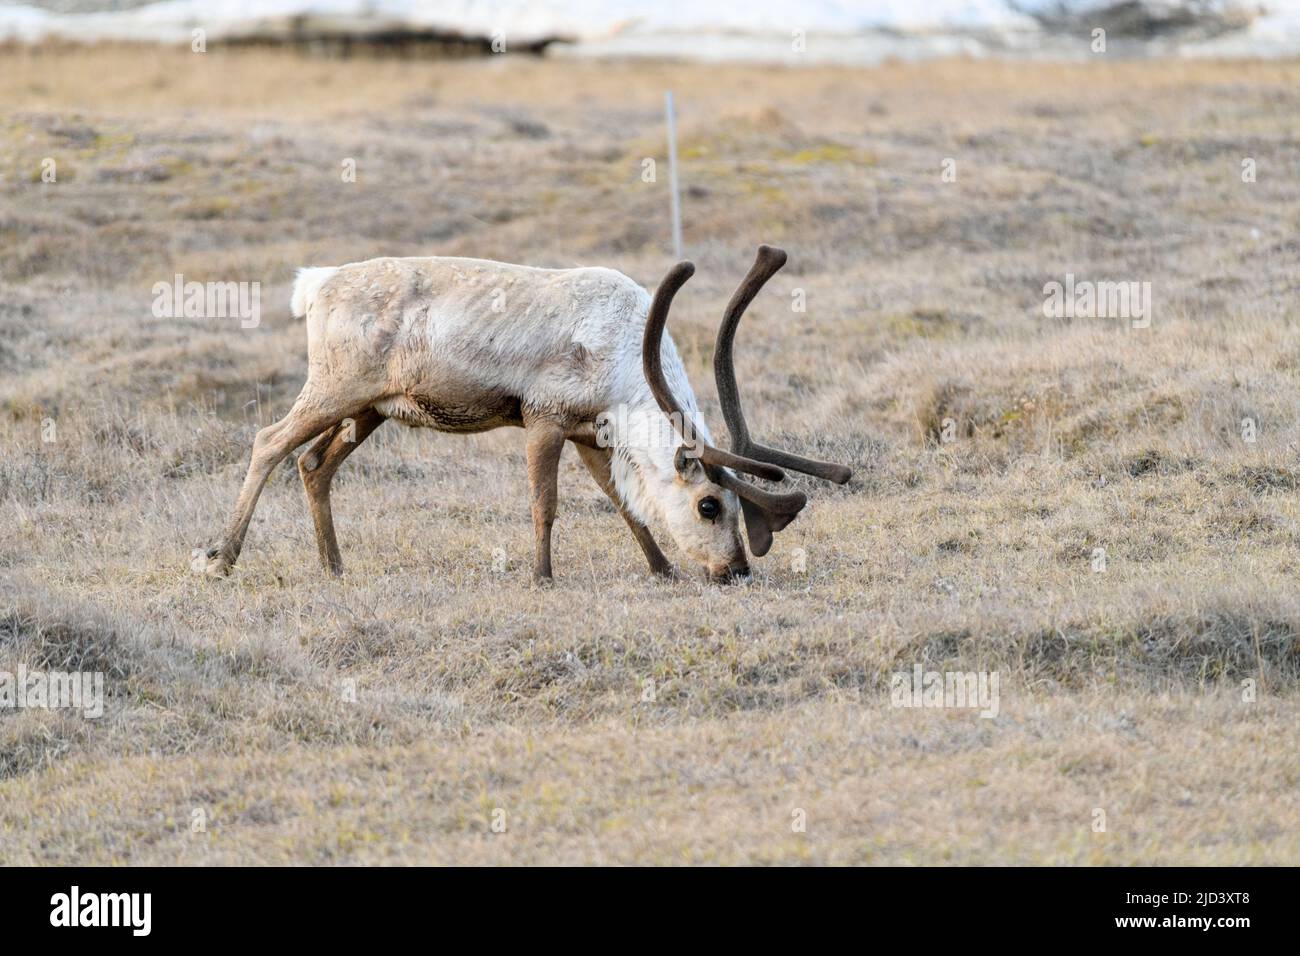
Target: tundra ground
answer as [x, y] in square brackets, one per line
[1102, 515]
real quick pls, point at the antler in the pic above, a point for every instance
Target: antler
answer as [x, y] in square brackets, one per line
[765, 511]
[765, 266]
[652, 363]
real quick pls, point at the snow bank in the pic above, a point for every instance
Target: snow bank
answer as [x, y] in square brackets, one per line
[838, 30]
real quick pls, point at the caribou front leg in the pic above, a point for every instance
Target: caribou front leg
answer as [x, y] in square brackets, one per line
[545, 441]
[597, 462]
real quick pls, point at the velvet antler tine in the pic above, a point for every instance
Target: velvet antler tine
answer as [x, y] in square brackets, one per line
[826, 470]
[651, 358]
[768, 261]
[652, 365]
[765, 512]
[720, 458]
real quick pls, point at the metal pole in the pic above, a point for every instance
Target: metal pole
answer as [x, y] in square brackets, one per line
[672, 173]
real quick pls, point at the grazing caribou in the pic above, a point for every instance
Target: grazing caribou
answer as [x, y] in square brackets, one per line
[578, 355]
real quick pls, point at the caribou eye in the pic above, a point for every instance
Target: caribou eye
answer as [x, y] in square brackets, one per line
[708, 508]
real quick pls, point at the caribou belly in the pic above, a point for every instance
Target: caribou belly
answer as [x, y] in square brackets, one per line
[447, 414]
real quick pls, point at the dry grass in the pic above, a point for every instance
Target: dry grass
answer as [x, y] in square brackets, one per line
[1121, 690]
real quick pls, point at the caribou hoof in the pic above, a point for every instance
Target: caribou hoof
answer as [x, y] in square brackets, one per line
[210, 562]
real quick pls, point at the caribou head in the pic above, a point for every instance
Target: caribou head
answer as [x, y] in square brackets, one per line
[710, 496]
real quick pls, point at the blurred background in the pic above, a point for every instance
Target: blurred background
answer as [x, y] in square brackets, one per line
[867, 31]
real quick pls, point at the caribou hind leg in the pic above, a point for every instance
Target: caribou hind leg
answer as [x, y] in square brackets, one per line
[317, 466]
[312, 413]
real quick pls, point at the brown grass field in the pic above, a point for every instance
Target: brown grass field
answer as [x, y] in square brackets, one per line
[479, 697]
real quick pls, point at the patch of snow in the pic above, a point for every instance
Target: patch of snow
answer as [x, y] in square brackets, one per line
[722, 30]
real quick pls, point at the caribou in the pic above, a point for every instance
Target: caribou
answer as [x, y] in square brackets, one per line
[570, 355]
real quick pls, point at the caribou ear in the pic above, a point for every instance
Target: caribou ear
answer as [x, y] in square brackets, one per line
[761, 524]
[688, 466]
